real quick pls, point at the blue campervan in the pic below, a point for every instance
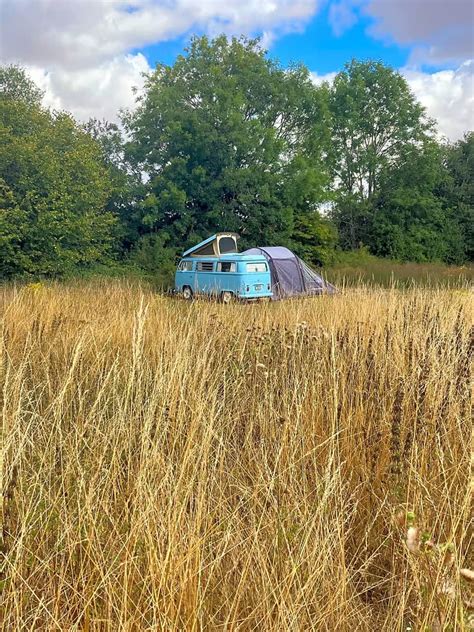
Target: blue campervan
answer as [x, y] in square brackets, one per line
[215, 268]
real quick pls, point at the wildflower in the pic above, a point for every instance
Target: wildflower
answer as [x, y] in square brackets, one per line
[413, 539]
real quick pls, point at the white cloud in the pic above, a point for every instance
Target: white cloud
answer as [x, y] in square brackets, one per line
[342, 17]
[82, 52]
[440, 31]
[78, 33]
[100, 91]
[318, 79]
[448, 96]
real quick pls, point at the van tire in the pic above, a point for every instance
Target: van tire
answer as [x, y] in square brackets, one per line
[227, 297]
[187, 293]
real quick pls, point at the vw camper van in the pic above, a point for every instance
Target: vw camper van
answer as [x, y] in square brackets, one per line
[214, 267]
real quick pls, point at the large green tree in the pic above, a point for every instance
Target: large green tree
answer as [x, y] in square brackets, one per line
[125, 183]
[412, 220]
[393, 192]
[221, 136]
[54, 187]
[375, 118]
[375, 121]
[459, 187]
[16, 86]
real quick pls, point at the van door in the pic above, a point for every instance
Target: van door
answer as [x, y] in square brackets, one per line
[227, 279]
[204, 277]
[184, 275]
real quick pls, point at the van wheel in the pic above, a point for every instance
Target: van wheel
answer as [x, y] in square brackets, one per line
[187, 293]
[226, 297]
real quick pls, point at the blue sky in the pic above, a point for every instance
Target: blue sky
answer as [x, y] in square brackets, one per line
[323, 51]
[88, 55]
[315, 44]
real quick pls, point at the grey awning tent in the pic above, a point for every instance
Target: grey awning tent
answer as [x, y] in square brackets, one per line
[291, 276]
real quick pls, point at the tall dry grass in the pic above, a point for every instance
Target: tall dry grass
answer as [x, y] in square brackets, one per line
[248, 467]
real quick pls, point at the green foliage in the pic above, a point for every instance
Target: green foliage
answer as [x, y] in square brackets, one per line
[123, 182]
[393, 193]
[54, 189]
[314, 238]
[354, 258]
[227, 139]
[219, 135]
[411, 221]
[13, 228]
[353, 218]
[154, 255]
[458, 188]
[375, 117]
[16, 86]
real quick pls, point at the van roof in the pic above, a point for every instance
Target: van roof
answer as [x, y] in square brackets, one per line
[234, 256]
[211, 239]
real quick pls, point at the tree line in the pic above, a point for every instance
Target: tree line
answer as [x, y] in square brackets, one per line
[227, 139]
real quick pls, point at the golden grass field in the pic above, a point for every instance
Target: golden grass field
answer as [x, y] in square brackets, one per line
[303, 465]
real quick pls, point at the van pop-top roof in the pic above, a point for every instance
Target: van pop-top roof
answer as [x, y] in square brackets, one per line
[215, 246]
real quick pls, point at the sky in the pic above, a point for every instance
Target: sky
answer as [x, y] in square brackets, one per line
[88, 55]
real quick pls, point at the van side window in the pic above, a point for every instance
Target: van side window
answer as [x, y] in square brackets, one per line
[185, 266]
[256, 267]
[205, 266]
[226, 266]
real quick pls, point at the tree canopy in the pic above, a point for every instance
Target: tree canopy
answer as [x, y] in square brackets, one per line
[459, 187]
[221, 135]
[375, 118]
[388, 172]
[226, 139]
[54, 187]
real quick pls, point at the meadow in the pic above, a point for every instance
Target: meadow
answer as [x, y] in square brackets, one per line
[303, 465]
[357, 268]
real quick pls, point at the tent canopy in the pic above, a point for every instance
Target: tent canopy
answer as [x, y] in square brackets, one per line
[291, 276]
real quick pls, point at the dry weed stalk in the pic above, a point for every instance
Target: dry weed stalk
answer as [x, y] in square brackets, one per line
[168, 466]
